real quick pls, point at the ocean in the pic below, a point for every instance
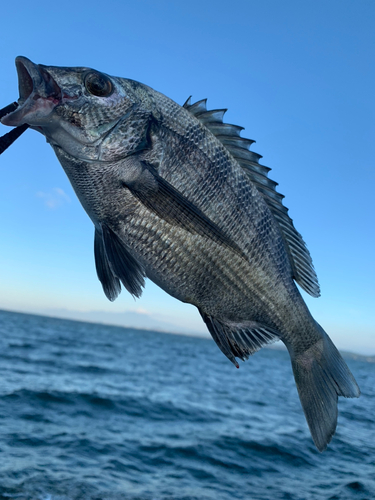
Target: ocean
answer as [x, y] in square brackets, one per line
[96, 412]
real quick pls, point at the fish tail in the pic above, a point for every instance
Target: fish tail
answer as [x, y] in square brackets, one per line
[321, 376]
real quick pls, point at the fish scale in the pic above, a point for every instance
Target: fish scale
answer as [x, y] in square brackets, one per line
[206, 147]
[144, 235]
[176, 195]
[215, 210]
[221, 272]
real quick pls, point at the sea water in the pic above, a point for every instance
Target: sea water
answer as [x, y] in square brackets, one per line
[93, 412]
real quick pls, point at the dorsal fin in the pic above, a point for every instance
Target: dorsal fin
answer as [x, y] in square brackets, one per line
[229, 136]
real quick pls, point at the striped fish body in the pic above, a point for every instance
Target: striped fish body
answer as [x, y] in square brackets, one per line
[176, 196]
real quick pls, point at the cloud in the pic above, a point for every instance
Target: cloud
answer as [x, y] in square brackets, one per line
[54, 198]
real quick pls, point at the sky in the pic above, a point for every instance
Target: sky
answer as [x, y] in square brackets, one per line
[299, 76]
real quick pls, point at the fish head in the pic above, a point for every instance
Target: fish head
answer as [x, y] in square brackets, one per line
[75, 108]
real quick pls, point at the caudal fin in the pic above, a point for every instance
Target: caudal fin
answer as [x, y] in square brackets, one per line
[321, 376]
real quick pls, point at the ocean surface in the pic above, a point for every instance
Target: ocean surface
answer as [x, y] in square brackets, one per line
[94, 412]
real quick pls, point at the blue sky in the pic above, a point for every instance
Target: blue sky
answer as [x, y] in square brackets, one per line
[299, 76]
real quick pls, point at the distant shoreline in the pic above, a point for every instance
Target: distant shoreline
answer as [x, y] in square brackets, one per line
[277, 346]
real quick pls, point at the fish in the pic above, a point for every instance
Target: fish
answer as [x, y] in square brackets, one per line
[177, 196]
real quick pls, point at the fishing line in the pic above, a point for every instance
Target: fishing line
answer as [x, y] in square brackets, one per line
[7, 139]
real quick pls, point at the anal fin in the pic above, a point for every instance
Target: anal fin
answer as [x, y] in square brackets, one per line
[239, 340]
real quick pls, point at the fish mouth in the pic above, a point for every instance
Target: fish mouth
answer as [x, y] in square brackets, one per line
[39, 95]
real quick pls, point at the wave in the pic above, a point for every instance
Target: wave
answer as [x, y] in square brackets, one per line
[141, 406]
[80, 421]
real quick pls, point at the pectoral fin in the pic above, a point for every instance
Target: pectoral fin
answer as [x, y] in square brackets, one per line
[159, 196]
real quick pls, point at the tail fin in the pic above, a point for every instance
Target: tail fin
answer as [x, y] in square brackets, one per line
[321, 376]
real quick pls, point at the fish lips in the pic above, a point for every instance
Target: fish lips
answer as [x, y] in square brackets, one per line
[39, 95]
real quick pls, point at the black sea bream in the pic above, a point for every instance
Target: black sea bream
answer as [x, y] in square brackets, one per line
[176, 196]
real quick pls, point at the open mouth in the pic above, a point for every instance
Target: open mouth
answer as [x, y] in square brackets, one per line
[39, 95]
[25, 82]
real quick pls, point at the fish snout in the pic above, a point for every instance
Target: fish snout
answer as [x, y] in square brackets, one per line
[39, 94]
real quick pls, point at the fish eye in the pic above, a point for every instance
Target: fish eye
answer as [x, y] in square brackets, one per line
[98, 84]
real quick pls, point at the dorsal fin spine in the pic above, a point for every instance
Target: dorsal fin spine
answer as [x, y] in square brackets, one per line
[187, 103]
[212, 116]
[256, 167]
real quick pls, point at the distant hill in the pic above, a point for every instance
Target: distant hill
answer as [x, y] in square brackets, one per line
[360, 357]
[128, 319]
[144, 321]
